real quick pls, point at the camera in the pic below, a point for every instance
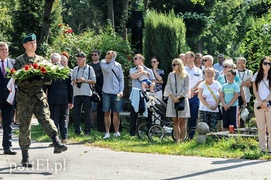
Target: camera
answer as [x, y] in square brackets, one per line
[78, 84]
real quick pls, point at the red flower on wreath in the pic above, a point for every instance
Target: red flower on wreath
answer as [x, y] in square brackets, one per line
[12, 71]
[26, 67]
[35, 66]
[43, 70]
[129, 58]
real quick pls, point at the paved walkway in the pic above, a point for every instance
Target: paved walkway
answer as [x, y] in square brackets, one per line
[87, 162]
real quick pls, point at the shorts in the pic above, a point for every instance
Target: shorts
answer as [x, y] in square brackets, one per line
[110, 103]
[149, 82]
[230, 117]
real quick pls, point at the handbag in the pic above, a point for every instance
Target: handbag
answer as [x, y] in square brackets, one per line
[95, 97]
[215, 98]
[179, 106]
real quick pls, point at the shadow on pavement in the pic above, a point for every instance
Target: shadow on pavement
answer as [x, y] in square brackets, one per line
[216, 170]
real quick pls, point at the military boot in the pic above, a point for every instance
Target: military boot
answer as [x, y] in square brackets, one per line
[25, 160]
[58, 146]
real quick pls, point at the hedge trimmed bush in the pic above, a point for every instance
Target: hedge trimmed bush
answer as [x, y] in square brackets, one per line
[164, 37]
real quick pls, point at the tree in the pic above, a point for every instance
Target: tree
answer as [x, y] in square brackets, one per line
[6, 19]
[26, 19]
[94, 14]
[124, 18]
[44, 35]
[110, 12]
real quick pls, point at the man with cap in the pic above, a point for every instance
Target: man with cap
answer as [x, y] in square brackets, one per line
[31, 99]
[83, 76]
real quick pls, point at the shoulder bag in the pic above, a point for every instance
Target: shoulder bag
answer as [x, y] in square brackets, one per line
[179, 106]
[215, 98]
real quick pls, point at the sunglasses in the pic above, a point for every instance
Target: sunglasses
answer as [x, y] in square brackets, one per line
[153, 61]
[94, 54]
[204, 60]
[173, 65]
[225, 66]
[136, 58]
[109, 53]
[267, 63]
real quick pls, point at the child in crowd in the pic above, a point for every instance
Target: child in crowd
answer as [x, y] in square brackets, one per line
[144, 80]
[229, 100]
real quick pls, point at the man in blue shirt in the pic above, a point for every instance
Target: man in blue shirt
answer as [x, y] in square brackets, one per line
[135, 74]
[113, 87]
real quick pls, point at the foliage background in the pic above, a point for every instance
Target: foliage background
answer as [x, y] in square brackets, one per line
[232, 27]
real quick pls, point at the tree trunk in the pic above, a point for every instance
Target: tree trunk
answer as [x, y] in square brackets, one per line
[110, 12]
[44, 35]
[146, 2]
[124, 19]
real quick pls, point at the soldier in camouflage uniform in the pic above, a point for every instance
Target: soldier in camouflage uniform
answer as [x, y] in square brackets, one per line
[32, 99]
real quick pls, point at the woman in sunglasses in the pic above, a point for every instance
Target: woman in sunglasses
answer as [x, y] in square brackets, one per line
[178, 87]
[262, 109]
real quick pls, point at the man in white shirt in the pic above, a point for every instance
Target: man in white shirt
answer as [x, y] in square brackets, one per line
[245, 76]
[195, 77]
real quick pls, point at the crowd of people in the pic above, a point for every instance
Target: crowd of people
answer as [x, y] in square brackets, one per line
[213, 93]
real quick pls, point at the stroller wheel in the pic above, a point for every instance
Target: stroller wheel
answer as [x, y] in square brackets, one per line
[156, 133]
[142, 130]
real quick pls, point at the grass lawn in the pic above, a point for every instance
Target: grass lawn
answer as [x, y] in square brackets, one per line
[221, 148]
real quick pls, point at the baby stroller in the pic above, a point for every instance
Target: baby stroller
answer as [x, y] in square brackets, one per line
[160, 125]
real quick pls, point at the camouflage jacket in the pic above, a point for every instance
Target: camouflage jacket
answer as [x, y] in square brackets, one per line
[33, 85]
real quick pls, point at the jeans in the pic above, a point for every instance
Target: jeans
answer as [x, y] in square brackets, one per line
[192, 121]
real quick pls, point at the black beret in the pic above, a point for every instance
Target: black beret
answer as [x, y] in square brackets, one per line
[81, 54]
[29, 37]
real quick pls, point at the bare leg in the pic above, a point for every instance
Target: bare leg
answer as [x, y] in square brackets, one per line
[143, 86]
[151, 87]
[182, 125]
[176, 128]
[93, 117]
[116, 121]
[107, 121]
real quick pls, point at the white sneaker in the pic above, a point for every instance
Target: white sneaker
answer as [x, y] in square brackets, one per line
[107, 135]
[117, 134]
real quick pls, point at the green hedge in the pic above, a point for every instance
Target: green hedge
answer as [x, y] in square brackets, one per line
[164, 37]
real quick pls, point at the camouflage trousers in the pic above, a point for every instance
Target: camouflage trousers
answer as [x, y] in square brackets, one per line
[27, 105]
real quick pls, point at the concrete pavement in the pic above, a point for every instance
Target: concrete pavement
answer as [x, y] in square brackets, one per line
[87, 162]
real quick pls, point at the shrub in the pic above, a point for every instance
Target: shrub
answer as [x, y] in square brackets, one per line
[164, 37]
[88, 40]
